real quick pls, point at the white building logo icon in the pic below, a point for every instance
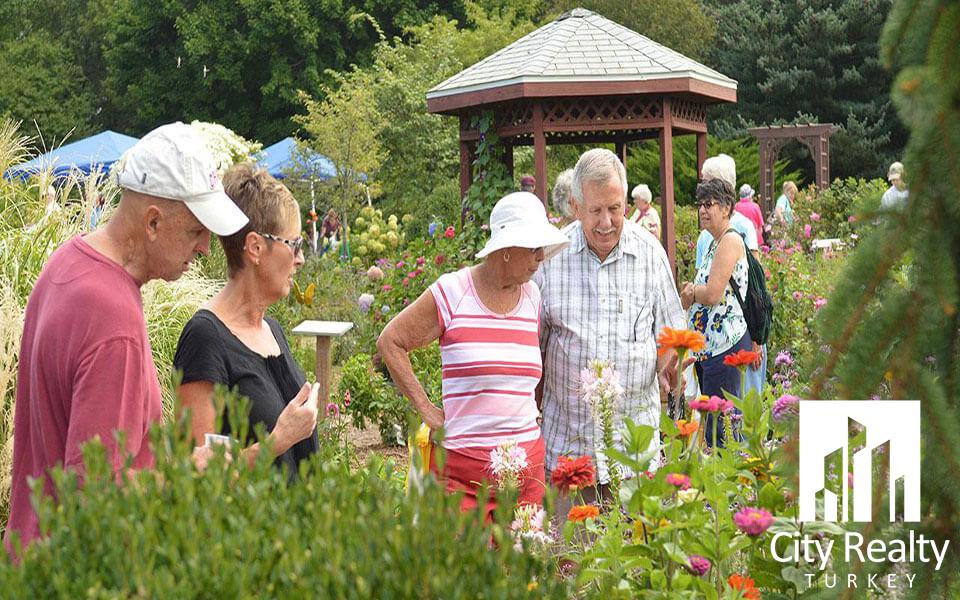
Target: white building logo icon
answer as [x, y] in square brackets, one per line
[845, 444]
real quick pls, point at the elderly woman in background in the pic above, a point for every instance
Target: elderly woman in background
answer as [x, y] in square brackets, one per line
[645, 215]
[487, 320]
[712, 305]
[783, 212]
[563, 198]
[231, 342]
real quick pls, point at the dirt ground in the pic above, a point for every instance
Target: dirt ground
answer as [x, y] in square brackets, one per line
[367, 441]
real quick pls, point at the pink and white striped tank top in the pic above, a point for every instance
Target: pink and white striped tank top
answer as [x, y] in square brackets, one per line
[490, 363]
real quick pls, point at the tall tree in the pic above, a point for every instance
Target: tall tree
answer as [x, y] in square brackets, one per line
[810, 60]
[41, 83]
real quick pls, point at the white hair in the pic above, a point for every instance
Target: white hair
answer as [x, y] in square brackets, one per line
[599, 166]
[642, 191]
[561, 193]
[722, 167]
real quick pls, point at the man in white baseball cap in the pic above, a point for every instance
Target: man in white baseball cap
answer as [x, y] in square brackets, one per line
[86, 368]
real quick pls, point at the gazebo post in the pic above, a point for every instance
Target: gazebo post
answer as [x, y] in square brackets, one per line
[466, 160]
[508, 157]
[539, 153]
[666, 185]
[701, 151]
[622, 154]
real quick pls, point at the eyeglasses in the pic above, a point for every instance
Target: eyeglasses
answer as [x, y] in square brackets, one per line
[707, 204]
[295, 245]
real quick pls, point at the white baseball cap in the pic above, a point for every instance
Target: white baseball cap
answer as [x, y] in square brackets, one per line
[895, 171]
[173, 162]
[519, 220]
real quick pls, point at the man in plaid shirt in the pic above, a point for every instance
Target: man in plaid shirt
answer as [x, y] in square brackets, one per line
[606, 296]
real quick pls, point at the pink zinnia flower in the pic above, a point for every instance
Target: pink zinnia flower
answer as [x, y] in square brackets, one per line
[753, 521]
[421, 260]
[807, 230]
[820, 302]
[332, 409]
[679, 480]
[406, 281]
[698, 565]
[798, 296]
[387, 287]
[814, 216]
[711, 404]
[400, 264]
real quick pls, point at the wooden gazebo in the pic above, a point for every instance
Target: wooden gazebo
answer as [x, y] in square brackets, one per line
[583, 79]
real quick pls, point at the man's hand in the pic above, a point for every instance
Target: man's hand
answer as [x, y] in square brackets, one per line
[667, 373]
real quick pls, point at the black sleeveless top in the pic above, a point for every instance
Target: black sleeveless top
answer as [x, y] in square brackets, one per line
[209, 351]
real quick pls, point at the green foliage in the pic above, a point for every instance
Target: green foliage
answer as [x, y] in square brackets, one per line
[893, 317]
[373, 398]
[643, 164]
[42, 83]
[680, 25]
[245, 533]
[491, 181]
[813, 60]
[345, 126]
[371, 236]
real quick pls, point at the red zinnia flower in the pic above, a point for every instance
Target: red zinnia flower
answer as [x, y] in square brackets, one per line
[744, 584]
[742, 358]
[572, 474]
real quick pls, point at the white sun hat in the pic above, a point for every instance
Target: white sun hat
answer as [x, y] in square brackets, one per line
[172, 162]
[519, 220]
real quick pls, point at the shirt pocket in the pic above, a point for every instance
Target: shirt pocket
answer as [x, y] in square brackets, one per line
[636, 319]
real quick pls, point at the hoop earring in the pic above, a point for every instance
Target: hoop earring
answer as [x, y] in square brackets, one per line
[506, 257]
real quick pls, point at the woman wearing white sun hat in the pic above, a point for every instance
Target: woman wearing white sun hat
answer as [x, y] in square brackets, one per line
[486, 318]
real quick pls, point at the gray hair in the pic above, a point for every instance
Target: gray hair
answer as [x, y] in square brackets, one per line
[561, 193]
[597, 166]
[643, 192]
[722, 167]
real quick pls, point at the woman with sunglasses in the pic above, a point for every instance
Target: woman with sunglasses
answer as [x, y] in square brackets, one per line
[711, 304]
[231, 341]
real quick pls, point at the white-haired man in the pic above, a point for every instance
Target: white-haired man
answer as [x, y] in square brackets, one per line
[86, 368]
[606, 296]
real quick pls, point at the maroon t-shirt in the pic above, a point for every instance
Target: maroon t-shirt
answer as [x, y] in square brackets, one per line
[85, 370]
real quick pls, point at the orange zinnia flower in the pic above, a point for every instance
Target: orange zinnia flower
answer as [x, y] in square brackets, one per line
[680, 339]
[745, 585]
[582, 512]
[686, 428]
[573, 474]
[742, 358]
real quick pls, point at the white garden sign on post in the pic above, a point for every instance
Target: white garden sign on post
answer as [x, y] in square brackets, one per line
[323, 331]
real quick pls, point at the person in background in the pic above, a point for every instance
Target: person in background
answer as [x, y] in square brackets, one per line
[487, 319]
[231, 341]
[783, 212]
[86, 367]
[528, 183]
[895, 198]
[563, 203]
[96, 212]
[330, 228]
[644, 214]
[751, 210]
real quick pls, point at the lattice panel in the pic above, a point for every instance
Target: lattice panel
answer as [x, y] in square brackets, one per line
[591, 111]
[689, 110]
[514, 116]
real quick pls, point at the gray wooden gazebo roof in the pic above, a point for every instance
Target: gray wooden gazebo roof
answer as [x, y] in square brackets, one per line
[581, 47]
[583, 79]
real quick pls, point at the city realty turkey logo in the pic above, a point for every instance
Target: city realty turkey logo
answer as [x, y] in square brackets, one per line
[844, 445]
[832, 441]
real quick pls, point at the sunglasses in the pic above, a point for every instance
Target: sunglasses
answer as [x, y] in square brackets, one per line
[707, 204]
[295, 245]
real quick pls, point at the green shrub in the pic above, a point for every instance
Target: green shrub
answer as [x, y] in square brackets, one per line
[245, 533]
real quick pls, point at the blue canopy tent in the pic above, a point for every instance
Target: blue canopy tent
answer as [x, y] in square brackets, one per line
[285, 157]
[86, 155]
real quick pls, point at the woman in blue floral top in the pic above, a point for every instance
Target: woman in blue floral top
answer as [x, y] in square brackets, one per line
[711, 304]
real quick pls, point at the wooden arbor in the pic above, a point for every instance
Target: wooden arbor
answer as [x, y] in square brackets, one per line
[584, 79]
[815, 136]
